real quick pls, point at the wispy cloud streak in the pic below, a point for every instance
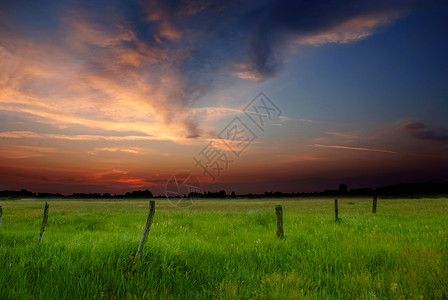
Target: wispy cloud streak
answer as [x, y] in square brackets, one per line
[354, 148]
[34, 135]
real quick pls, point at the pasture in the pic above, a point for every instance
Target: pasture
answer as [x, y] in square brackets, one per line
[226, 249]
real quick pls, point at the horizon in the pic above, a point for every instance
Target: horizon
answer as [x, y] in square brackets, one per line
[245, 97]
[427, 189]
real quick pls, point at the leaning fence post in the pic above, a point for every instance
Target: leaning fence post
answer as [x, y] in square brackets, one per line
[374, 203]
[152, 210]
[1, 215]
[279, 220]
[44, 222]
[336, 211]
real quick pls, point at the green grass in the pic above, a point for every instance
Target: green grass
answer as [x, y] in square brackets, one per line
[226, 249]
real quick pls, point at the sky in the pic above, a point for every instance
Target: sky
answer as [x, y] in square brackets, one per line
[246, 96]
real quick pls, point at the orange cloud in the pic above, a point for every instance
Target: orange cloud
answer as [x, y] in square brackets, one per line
[22, 151]
[119, 87]
[132, 150]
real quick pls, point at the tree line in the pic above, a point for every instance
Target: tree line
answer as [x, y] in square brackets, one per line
[412, 190]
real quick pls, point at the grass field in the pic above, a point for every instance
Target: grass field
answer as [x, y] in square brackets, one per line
[226, 249]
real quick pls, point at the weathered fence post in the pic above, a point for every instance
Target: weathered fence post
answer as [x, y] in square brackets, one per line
[279, 220]
[375, 200]
[44, 222]
[151, 212]
[336, 211]
[1, 215]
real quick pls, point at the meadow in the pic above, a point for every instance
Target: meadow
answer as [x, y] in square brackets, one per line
[226, 249]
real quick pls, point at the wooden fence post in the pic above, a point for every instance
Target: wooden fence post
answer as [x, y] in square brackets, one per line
[1, 215]
[336, 211]
[151, 212]
[375, 200]
[44, 223]
[279, 220]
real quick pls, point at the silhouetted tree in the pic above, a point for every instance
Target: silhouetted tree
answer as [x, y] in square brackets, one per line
[343, 189]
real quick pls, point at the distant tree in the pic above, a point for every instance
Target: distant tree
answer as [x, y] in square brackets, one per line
[194, 195]
[343, 189]
[222, 194]
[140, 194]
[362, 192]
[232, 195]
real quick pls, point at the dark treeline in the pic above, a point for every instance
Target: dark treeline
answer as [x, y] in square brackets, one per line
[27, 194]
[412, 190]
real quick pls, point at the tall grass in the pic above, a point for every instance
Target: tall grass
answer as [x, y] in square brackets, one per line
[226, 249]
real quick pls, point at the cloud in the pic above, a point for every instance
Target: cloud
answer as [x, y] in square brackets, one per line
[314, 23]
[41, 177]
[35, 135]
[131, 65]
[354, 148]
[131, 150]
[421, 131]
[23, 151]
[352, 30]
[344, 135]
[354, 136]
[293, 158]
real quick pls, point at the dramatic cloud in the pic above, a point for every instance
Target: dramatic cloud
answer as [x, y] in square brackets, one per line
[421, 131]
[132, 65]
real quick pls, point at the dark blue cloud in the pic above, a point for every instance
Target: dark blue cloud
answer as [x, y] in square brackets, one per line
[421, 131]
[215, 32]
[255, 32]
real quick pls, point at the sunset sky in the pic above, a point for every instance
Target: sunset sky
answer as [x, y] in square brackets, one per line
[115, 96]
